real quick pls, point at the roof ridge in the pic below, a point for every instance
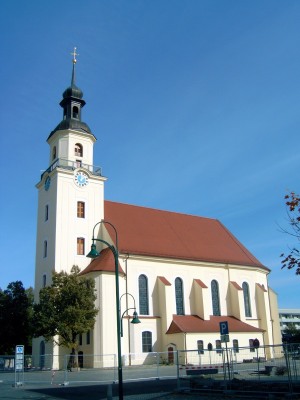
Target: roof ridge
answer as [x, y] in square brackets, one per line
[160, 210]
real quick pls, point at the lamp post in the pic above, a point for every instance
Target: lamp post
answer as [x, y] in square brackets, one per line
[94, 254]
[135, 319]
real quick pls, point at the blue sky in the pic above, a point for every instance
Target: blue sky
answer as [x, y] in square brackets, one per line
[195, 105]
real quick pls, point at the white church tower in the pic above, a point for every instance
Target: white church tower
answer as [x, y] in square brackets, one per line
[70, 198]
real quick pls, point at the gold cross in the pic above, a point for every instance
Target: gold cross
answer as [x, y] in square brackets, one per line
[74, 54]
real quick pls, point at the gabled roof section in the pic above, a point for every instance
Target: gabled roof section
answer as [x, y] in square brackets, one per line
[195, 324]
[104, 263]
[157, 233]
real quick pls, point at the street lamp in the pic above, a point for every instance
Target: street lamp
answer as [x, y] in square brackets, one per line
[135, 319]
[94, 254]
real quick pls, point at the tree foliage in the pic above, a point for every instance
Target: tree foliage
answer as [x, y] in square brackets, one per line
[292, 260]
[16, 307]
[66, 309]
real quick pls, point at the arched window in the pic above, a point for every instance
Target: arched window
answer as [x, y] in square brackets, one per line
[146, 342]
[54, 153]
[75, 112]
[179, 296]
[235, 343]
[218, 346]
[215, 297]
[143, 295]
[200, 346]
[78, 150]
[246, 292]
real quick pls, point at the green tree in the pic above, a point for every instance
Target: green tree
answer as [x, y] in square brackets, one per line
[16, 305]
[292, 260]
[66, 309]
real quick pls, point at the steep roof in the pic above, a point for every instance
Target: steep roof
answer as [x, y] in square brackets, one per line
[195, 324]
[157, 233]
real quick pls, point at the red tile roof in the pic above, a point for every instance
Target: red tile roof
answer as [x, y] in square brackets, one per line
[195, 324]
[105, 262]
[151, 232]
[200, 283]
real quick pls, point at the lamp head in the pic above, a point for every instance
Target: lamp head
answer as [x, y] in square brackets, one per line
[93, 253]
[135, 319]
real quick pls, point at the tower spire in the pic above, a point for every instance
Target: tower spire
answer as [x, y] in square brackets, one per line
[74, 54]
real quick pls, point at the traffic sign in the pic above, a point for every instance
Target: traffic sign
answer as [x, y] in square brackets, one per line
[225, 338]
[224, 328]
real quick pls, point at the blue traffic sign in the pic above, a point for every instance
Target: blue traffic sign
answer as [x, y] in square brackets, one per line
[224, 328]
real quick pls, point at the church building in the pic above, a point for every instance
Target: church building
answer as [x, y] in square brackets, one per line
[183, 274]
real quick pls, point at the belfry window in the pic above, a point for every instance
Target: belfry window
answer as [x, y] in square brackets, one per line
[75, 112]
[179, 296]
[215, 297]
[78, 150]
[54, 153]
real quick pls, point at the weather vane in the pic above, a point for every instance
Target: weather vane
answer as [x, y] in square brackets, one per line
[74, 54]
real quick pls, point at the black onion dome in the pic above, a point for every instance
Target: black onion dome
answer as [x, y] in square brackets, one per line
[73, 91]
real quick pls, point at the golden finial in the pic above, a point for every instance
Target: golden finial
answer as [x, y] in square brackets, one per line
[74, 54]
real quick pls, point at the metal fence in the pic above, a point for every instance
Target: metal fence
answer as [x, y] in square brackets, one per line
[269, 369]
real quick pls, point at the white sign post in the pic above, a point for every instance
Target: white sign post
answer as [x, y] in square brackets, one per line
[19, 365]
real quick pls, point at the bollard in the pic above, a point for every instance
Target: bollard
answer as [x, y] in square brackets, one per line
[109, 392]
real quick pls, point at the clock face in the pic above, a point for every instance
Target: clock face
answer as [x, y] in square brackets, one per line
[81, 179]
[47, 183]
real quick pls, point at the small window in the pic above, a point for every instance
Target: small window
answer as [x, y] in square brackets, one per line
[80, 209]
[80, 246]
[147, 342]
[88, 337]
[200, 346]
[44, 280]
[46, 212]
[218, 346]
[45, 248]
[252, 348]
[78, 150]
[54, 153]
[235, 345]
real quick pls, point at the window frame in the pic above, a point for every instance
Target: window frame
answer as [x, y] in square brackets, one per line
[80, 209]
[215, 298]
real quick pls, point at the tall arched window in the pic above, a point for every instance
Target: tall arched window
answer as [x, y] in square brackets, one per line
[54, 153]
[78, 150]
[143, 295]
[215, 297]
[246, 292]
[179, 296]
